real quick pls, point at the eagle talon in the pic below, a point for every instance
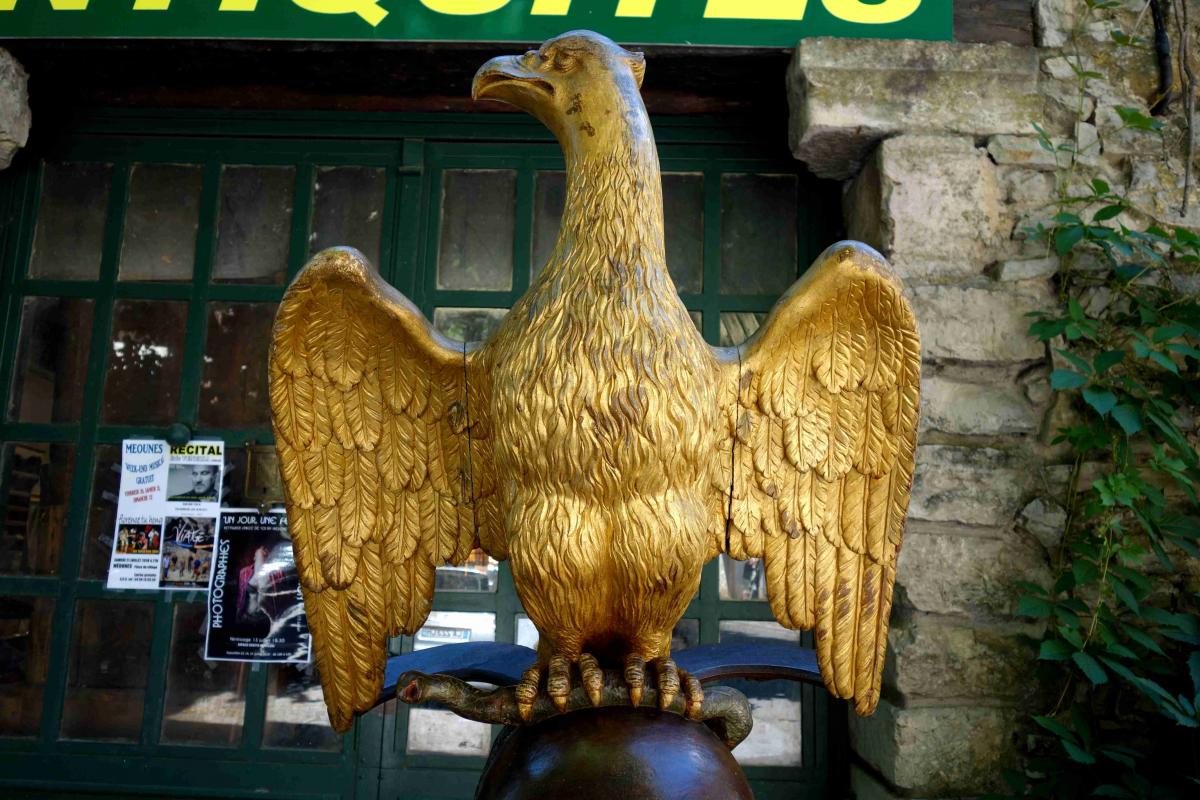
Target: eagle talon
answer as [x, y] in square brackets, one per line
[668, 682]
[558, 684]
[592, 678]
[526, 691]
[694, 692]
[635, 679]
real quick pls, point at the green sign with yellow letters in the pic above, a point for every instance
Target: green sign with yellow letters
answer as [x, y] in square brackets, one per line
[743, 23]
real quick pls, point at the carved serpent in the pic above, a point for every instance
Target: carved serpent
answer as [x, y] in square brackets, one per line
[725, 711]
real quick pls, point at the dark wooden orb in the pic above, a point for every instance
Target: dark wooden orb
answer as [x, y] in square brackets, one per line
[605, 753]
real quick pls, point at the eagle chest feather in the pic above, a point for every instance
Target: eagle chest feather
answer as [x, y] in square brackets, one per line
[597, 397]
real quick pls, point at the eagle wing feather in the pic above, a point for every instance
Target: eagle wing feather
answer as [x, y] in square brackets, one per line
[379, 423]
[817, 464]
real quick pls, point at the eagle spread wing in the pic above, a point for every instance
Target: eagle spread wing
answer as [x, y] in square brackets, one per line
[385, 463]
[818, 460]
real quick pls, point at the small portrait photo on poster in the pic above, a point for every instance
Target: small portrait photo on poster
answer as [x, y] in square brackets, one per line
[187, 552]
[139, 539]
[194, 483]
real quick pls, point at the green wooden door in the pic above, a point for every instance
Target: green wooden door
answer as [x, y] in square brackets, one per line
[143, 256]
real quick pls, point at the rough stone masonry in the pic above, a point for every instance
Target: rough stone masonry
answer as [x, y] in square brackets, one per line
[14, 108]
[943, 173]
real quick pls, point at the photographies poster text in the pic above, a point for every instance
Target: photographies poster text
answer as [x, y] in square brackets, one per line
[255, 609]
[167, 510]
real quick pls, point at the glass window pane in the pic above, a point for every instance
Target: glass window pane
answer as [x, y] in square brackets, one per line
[144, 366]
[437, 731]
[106, 679]
[25, 624]
[233, 392]
[468, 324]
[161, 223]
[738, 326]
[296, 715]
[776, 738]
[479, 574]
[52, 358]
[70, 222]
[37, 489]
[478, 209]
[697, 319]
[742, 580]
[205, 701]
[102, 513]
[758, 233]
[683, 222]
[254, 224]
[549, 198]
[348, 209]
[685, 635]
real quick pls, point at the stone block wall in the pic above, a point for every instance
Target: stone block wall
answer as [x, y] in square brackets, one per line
[14, 108]
[943, 173]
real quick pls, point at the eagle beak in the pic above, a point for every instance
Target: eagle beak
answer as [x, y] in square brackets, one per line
[512, 79]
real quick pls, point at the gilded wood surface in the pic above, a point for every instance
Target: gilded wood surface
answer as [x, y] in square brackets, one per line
[595, 440]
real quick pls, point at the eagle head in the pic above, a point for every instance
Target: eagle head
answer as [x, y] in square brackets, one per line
[580, 85]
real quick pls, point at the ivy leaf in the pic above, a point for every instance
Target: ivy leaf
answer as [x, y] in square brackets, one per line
[1111, 790]
[1054, 650]
[1067, 379]
[1122, 591]
[1100, 399]
[1067, 238]
[1167, 333]
[1143, 638]
[1132, 118]
[1090, 667]
[1107, 360]
[1164, 361]
[1108, 212]
[1080, 364]
[1128, 417]
[1057, 728]
[1100, 186]
[1077, 753]
[1034, 607]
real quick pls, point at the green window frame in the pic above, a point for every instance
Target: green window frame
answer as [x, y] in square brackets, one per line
[414, 150]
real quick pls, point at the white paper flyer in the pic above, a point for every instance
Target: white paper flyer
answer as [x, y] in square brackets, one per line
[167, 512]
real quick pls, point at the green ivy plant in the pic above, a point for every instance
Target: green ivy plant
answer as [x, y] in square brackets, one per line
[1120, 656]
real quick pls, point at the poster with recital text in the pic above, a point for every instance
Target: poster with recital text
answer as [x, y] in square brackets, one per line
[255, 609]
[167, 510]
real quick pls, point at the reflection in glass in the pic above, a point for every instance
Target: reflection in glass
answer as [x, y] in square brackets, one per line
[776, 738]
[296, 715]
[758, 233]
[683, 227]
[233, 392]
[109, 663]
[436, 731]
[70, 222]
[468, 324]
[141, 386]
[479, 574]
[742, 580]
[52, 357]
[348, 209]
[205, 700]
[254, 224]
[686, 633]
[476, 242]
[549, 198]
[161, 223]
[738, 326]
[102, 512]
[25, 624]
[36, 484]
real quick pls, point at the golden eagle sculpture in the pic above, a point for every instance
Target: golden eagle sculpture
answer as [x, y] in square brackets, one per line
[595, 440]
